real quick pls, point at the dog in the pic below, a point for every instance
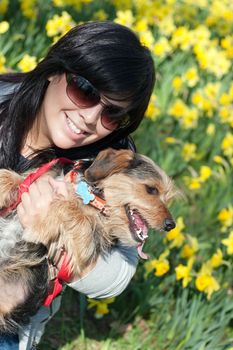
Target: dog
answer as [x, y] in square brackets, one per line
[136, 193]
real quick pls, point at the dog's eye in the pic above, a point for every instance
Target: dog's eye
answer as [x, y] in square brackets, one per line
[152, 190]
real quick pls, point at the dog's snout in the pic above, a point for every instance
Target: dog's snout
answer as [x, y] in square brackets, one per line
[169, 224]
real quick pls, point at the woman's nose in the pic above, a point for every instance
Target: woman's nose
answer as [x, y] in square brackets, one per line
[91, 115]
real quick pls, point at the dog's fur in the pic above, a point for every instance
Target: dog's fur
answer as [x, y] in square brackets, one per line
[133, 187]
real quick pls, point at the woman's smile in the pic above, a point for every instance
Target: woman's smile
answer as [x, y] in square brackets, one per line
[74, 128]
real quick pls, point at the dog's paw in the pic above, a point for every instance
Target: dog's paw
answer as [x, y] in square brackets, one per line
[9, 182]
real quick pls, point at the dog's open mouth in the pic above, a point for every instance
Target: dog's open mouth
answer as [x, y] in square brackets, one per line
[138, 228]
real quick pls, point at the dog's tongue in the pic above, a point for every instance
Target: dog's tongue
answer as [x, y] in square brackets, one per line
[140, 252]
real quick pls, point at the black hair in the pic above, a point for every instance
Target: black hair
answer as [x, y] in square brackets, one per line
[106, 53]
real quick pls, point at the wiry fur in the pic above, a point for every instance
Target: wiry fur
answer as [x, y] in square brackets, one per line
[124, 178]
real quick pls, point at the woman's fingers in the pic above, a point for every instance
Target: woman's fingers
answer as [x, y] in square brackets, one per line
[60, 187]
[35, 203]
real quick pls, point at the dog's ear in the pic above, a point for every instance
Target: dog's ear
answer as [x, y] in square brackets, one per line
[108, 162]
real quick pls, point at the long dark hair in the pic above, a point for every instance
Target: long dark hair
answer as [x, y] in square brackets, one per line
[108, 54]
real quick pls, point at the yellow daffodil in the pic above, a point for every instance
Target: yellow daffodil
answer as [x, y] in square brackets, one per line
[27, 63]
[153, 109]
[141, 25]
[191, 76]
[149, 267]
[147, 39]
[29, 8]
[59, 25]
[211, 91]
[100, 15]
[100, 305]
[176, 236]
[227, 144]
[122, 4]
[205, 282]
[178, 108]
[167, 25]
[228, 242]
[177, 83]
[205, 173]
[218, 159]
[189, 151]
[211, 128]
[183, 272]
[125, 18]
[171, 140]
[225, 99]
[160, 265]
[77, 4]
[190, 248]
[197, 99]
[3, 6]
[162, 47]
[227, 44]
[194, 183]
[213, 60]
[181, 37]
[4, 26]
[2, 63]
[225, 216]
[216, 259]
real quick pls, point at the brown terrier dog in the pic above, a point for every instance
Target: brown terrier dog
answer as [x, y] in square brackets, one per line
[136, 192]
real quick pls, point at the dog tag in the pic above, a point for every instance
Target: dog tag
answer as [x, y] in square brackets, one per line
[83, 191]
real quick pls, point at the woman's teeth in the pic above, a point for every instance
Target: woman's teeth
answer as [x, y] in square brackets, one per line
[73, 127]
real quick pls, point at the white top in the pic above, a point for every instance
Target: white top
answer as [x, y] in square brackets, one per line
[109, 278]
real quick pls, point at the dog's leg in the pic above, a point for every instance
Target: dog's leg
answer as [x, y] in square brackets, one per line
[9, 182]
[59, 218]
[73, 225]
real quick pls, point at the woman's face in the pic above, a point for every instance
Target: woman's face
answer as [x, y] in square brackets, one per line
[65, 125]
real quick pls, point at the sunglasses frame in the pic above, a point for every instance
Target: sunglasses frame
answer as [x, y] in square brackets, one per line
[123, 123]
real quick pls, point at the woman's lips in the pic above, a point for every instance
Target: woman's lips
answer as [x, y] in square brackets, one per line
[74, 129]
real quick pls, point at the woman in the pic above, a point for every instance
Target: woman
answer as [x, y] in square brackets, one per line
[90, 92]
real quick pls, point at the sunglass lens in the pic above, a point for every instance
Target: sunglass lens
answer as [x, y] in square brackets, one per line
[82, 92]
[111, 121]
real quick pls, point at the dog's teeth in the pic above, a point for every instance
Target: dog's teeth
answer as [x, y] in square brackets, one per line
[139, 233]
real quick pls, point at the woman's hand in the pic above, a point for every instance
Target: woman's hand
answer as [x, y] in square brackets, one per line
[35, 203]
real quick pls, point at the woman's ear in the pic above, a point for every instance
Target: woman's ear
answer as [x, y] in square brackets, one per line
[108, 162]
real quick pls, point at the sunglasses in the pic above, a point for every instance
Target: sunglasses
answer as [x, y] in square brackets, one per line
[84, 95]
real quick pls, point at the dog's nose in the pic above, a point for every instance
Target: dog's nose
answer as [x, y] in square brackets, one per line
[169, 224]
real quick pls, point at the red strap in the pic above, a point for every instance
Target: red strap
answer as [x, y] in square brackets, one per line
[24, 186]
[62, 276]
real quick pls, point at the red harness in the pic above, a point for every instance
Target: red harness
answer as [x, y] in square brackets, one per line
[24, 186]
[62, 275]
